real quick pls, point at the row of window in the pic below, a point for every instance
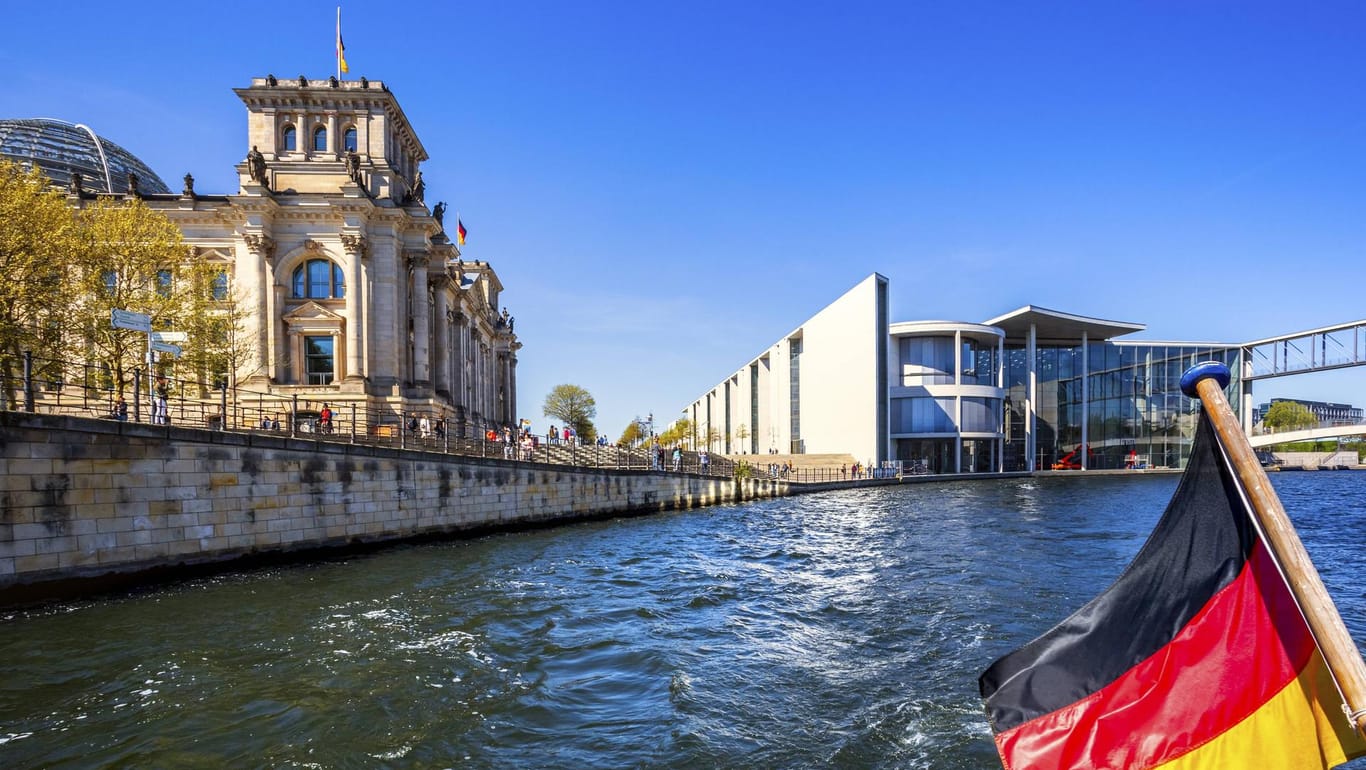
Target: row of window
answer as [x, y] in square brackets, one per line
[315, 279]
[289, 138]
[164, 279]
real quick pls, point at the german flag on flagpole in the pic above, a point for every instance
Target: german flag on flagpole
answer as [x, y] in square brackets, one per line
[341, 48]
[459, 231]
[1199, 657]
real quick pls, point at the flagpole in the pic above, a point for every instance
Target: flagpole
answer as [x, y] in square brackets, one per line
[339, 53]
[1207, 381]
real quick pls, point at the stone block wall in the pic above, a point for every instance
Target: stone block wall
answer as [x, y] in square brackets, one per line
[82, 498]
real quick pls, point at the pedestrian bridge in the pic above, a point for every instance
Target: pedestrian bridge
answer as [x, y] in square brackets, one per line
[1319, 350]
[1313, 434]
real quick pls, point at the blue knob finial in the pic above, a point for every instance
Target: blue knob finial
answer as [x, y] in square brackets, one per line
[1200, 371]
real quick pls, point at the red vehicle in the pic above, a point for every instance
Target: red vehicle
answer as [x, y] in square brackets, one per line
[1072, 460]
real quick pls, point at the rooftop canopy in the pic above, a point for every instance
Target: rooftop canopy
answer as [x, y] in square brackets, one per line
[1056, 326]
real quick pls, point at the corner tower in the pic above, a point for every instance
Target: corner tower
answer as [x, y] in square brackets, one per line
[314, 136]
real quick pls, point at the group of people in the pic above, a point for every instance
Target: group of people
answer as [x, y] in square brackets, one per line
[664, 459]
[425, 427]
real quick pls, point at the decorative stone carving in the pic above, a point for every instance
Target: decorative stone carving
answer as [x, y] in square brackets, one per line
[354, 244]
[256, 166]
[188, 192]
[439, 213]
[418, 259]
[312, 245]
[259, 244]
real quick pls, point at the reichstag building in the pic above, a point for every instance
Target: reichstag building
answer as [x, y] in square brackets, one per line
[356, 294]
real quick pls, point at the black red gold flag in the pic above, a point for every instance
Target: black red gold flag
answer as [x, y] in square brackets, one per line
[1197, 658]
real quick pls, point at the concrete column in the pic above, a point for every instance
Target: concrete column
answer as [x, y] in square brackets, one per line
[421, 322]
[1085, 398]
[334, 144]
[355, 304]
[1001, 383]
[958, 401]
[1031, 396]
[1245, 386]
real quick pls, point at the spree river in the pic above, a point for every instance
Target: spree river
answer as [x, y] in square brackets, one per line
[840, 630]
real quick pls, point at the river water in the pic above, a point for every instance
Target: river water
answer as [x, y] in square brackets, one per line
[840, 630]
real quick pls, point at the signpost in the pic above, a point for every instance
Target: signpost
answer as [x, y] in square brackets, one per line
[156, 341]
[138, 322]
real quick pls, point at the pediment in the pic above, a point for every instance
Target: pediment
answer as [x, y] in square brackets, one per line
[311, 312]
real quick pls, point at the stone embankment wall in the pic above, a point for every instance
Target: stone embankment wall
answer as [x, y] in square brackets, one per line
[1315, 459]
[83, 498]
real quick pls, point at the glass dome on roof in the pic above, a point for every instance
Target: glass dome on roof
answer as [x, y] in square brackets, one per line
[57, 148]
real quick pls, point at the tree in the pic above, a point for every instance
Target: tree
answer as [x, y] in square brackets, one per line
[633, 434]
[223, 328]
[133, 258]
[574, 406]
[713, 437]
[37, 238]
[1289, 415]
[742, 433]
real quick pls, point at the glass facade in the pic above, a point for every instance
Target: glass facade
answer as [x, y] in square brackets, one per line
[1128, 396]
[58, 148]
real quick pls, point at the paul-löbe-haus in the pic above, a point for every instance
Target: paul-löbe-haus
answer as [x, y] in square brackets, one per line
[357, 295]
[1033, 389]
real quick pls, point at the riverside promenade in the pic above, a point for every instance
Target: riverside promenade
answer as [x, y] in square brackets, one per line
[85, 502]
[89, 503]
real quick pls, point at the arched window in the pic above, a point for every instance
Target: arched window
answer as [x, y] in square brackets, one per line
[349, 138]
[320, 138]
[318, 279]
[288, 139]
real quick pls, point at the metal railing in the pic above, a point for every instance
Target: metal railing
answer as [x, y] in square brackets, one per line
[92, 391]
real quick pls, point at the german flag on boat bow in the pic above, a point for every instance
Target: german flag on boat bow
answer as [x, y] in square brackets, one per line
[1198, 657]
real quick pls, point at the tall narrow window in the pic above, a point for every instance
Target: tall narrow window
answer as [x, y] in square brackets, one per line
[110, 279]
[320, 139]
[220, 286]
[349, 138]
[318, 363]
[164, 283]
[289, 139]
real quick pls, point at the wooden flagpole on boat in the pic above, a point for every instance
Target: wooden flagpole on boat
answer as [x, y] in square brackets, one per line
[1207, 381]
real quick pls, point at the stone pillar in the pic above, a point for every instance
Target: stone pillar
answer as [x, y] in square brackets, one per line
[512, 386]
[457, 385]
[334, 144]
[421, 320]
[442, 337]
[261, 248]
[355, 305]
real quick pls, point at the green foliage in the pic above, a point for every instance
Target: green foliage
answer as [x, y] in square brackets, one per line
[634, 433]
[37, 238]
[743, 470]
[573, 405]
[1288, 415]
[133, 258]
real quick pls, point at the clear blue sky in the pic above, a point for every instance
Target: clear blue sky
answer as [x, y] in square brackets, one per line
[665, 189]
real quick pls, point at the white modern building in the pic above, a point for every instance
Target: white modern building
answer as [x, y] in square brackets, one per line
[819, 389]
[1032, 389]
